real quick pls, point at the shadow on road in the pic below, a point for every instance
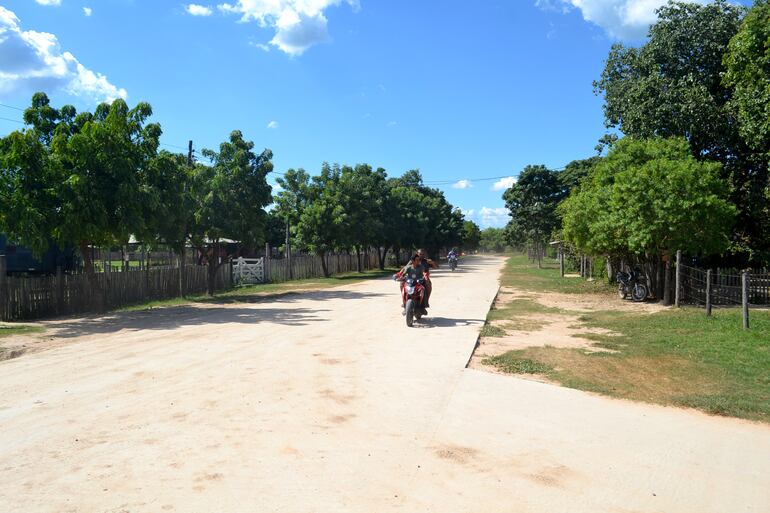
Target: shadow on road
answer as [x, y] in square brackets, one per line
[444, 322]
[276, 310]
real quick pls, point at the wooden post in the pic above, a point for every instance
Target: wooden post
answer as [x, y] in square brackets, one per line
[266, 277]
[287, 251]
[667, 283]
[678, 284]
[745, 298]
[3, 285]
[561, 261]
[708, 292]
[59, 291]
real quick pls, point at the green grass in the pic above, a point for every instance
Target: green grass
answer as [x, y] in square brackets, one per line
[250, 293]
[492, 331]
[522, 274]
[677, 357]
[6, 330]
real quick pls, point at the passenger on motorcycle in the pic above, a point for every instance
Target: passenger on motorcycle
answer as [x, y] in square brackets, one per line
[427, 265]
[416, 268]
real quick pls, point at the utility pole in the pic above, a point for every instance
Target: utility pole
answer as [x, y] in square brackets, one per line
[287, 251]
[189, 154]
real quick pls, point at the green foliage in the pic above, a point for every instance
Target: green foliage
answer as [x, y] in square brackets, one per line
[471, 236]
[532, 201]
[747, 64]
[493, 240]
[672, 86]
[647, 198]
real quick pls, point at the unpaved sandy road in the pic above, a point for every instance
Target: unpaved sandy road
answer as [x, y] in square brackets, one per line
[326, 402]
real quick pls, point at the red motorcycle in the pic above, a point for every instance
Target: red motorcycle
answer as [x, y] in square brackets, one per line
[412, 297]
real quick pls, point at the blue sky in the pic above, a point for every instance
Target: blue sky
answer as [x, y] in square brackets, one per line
[460, 90]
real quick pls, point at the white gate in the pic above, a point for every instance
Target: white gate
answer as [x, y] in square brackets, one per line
[249, 270]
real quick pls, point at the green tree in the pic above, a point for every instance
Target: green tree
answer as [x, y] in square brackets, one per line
[231, 199]
[493, 240]
[574, 172]
[532, 201]
[672, 86]
[364, 196]
[649, 198]
[747, 73]
[78, 178]
[471, 236]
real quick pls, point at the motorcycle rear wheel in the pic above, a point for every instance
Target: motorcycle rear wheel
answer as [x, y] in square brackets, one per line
[639, 293]
[409, 312]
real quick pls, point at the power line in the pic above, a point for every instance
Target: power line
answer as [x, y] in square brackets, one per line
[11, 107]
[14, 120]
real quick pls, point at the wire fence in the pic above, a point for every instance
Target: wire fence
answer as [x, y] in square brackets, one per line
[723, 286]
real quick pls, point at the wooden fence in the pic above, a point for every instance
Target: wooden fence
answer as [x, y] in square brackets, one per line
[309, 266]
[37, 297]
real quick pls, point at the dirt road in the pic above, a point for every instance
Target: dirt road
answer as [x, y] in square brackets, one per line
[327, 402]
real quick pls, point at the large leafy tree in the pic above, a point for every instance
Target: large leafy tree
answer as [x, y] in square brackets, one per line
[493, 240]
[471, 236]
[747, 72]
[232, 194]
[364, 194]
[647, 199]
[672, 86]
[78, 178]
[532, 201]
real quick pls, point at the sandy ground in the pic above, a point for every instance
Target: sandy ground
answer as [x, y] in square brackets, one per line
[327, 402]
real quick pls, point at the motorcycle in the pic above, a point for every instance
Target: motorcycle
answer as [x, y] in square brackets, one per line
[412, 297]
[453, 262]
[631, 283]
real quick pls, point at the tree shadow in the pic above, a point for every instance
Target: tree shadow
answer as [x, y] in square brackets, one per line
[214, 311]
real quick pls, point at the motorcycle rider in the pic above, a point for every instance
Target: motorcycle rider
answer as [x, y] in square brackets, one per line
[416, 268]
[452, 253]
[427, 264]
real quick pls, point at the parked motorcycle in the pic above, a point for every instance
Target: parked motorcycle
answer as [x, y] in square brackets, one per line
[412, 297]
[453, 262]
[632, 283]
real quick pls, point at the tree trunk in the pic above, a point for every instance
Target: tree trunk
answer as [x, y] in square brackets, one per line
[381, 257]
[88, 261]
[212, 270]
[324, 267]
[358, 258]
[667, 284]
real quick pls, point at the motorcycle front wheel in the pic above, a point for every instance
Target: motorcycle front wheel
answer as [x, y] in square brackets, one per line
[409, 312]
[639, 293]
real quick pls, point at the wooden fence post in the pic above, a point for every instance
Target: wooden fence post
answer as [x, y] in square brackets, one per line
[745, 298]
[266, 272]
[59, 291]
[708, 292]
[678, 285]
[3, 285]
[561, 262]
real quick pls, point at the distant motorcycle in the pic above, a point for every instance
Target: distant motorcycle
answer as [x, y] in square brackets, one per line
[412, 297]
[453, 262]
[631, 283]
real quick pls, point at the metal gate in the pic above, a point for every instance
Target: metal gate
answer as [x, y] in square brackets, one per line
[249, 271]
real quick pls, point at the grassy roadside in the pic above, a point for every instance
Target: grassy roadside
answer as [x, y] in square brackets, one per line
[252, 292]
[677, 357]
[6, 330]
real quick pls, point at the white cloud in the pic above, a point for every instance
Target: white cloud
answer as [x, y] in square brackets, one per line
[49, 2]
[272, 124]
[494, 217]
[504, 183]
[87, 11]
[198, 10]
[261, 46]
[33, 61]
[392, 123]
[462, 184]
[298, 24]
[621, 19]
